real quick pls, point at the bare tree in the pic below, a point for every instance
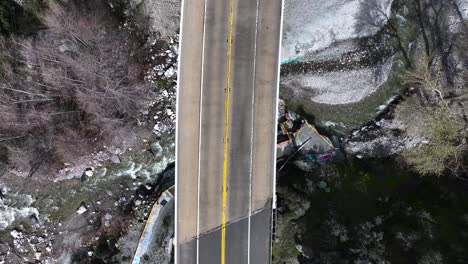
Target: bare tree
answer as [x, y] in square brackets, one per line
[375, 14]
[438, 24]
[68, 89]
[422, 78]
[421, 13]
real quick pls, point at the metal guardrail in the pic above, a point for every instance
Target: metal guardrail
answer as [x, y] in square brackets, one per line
[146, 235]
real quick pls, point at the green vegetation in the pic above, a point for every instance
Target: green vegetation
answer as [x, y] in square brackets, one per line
[5, 17]
[429, 112]
[444, 149]
[285, 246]
[351, 115]
[16, 19]
[375, 212]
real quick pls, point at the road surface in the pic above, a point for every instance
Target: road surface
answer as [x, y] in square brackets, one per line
[226, 127]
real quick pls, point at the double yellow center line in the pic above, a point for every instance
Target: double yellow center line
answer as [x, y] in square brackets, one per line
[226, 133]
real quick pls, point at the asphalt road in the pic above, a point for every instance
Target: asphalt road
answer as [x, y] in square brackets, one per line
[228, 81]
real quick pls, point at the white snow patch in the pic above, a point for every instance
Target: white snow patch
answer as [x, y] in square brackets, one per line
[463, 6]
[455, 25]
[89, 173]
[311, 25]
[15, 234]
[81, 210]
[169, 72]
[345, 87]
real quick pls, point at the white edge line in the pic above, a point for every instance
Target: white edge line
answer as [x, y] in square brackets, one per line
[253, 133]
[277, 100]
[176, 191]
[276, 130]
[200, 131]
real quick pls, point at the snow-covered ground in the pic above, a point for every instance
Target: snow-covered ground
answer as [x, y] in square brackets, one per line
[311, 25]
[324, 32]
[463, 5]
[344, 87]
[454, 19]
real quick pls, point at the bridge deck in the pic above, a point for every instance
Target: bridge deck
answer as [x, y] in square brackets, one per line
[228, 84]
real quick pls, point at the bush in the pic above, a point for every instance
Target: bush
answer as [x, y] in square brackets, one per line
[444, 149]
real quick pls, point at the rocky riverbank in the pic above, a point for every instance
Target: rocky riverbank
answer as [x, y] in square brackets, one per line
[93, 210]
